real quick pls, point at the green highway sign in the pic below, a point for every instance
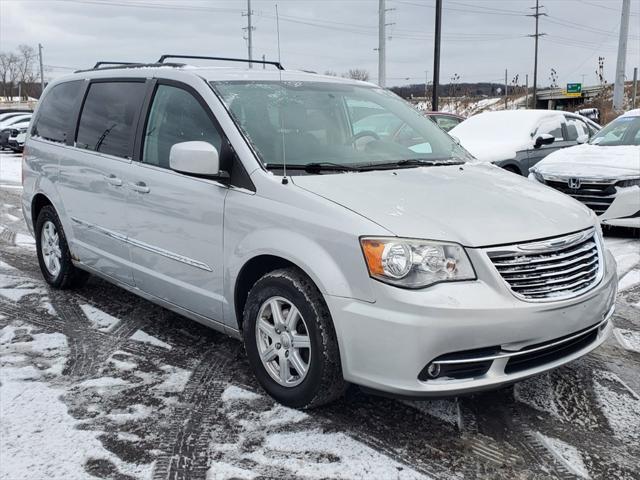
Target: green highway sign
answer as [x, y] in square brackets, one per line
[575, 88]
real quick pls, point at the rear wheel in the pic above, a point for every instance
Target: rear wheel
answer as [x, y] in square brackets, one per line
[290, 340]
[54, 256]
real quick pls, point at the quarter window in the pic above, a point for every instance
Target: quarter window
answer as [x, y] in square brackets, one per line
[175, 117]
[107, 122]
[56, 112]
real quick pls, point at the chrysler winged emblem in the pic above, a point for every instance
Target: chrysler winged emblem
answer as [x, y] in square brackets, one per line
[574, 183]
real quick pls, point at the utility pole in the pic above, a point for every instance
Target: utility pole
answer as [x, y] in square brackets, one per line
[382, 44]
[264, 65]
[536, 36]
[506, 90]
[618, 87]
[526, 89]
[436, 57]
[635, 87]
[426, 84]
[249, 28]
[41, 69]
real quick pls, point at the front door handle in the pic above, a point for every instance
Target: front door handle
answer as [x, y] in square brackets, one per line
[139, 187]
[113, 180]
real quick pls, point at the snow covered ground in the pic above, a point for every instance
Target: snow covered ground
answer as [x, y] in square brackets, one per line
[98, 383]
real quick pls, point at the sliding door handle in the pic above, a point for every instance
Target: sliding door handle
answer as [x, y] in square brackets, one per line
[139, 187]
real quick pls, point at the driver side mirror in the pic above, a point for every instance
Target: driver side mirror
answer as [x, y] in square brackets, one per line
[544, 139]
[582, 139]
[195, 158]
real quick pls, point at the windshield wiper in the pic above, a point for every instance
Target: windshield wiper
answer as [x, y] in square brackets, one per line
[316, 167]
[411, 162]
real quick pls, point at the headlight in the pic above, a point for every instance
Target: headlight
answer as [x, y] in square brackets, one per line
[537, 174]
[415, 263]
[632, 182]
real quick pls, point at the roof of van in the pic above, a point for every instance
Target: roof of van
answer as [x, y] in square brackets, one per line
[213, 74]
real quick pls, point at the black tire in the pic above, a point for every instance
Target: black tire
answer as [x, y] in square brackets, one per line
[324, 382]
[69, 276]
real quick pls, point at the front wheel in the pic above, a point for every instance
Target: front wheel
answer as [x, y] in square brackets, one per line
[290, 340]
[54, 256]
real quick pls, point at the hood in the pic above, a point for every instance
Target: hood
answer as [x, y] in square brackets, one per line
[475, 205]
[592, 161]
[492, 151]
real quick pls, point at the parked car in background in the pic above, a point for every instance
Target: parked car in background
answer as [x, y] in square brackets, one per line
[17, 137]
[7, 115]
[10, 124]
[445, 121]
[390, 262]
[518, 139]
[604, 174]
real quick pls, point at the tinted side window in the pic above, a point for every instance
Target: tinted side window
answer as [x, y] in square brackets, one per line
[107, 121]
[175, 117]
[551, 125]
[56, 111]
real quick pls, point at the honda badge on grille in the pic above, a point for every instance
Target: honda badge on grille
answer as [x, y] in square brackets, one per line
[574, 183]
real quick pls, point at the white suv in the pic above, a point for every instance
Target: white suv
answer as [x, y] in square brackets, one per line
[246, 200]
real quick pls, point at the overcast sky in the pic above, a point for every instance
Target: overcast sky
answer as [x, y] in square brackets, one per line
[480, 37]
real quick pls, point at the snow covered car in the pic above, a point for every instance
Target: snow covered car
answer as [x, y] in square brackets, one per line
[604, 174]
[10, 123]
[17, 138]
[518, 139]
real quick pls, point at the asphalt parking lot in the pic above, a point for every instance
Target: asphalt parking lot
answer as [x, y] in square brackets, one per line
[98, 383]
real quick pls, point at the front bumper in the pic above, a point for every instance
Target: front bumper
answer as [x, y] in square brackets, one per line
[386, 345]
[624, 208]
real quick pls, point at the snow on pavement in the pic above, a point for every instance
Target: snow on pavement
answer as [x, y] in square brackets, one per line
[567, 454]
[99, 319]
[143, 337]
[303, 453]
[37, 433]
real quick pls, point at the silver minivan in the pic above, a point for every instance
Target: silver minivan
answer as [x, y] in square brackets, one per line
[258, 203]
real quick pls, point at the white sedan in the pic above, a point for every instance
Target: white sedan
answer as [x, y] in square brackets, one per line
[604, 174]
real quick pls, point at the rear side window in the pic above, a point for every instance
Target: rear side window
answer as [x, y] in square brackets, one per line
[55, 115]
[107, 121]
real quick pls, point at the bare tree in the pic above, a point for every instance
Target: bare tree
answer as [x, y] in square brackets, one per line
[330, 73]
[9, 72]
[357, 74]
[26, 68]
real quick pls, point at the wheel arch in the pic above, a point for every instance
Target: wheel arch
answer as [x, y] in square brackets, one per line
[38, 201]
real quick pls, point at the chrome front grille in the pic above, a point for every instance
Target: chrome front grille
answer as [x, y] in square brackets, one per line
[595, 195]
[554, 269]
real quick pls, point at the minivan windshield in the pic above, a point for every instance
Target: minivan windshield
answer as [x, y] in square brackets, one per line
[334, 126]
[623, 130]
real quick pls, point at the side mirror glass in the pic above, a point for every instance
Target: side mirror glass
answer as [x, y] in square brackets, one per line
[582, 138]
[544, 139]
[195, 158]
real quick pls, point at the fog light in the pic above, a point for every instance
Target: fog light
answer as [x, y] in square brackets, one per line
[433, 370]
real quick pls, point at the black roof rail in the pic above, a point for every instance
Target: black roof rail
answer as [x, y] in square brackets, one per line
[99, 64]
[278, 65]
[116, 66]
